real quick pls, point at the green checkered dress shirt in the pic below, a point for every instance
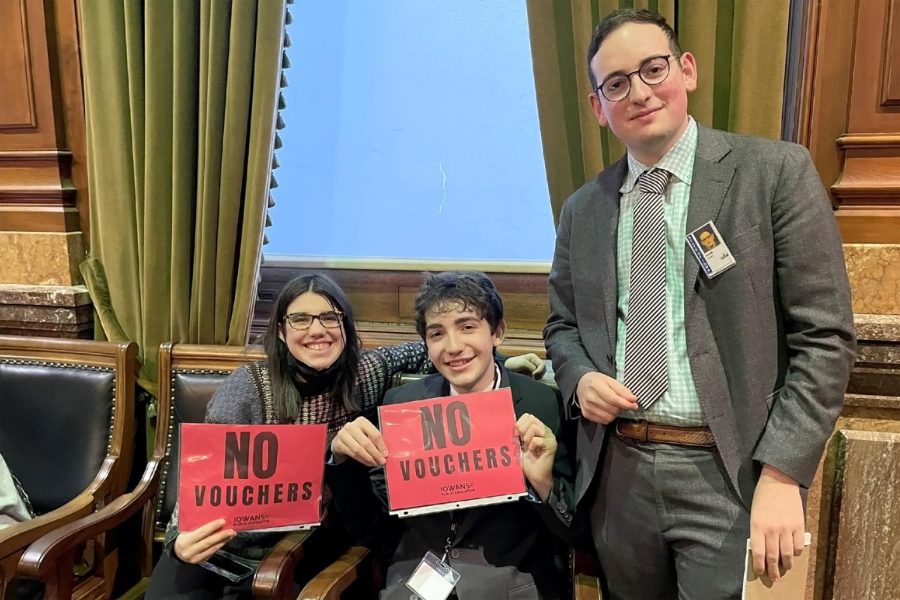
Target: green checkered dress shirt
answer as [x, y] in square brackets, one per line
[679, 405]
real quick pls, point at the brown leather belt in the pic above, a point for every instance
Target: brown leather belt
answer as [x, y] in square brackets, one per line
[643, 431]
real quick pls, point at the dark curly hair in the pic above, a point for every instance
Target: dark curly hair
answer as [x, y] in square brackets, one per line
[473, 289]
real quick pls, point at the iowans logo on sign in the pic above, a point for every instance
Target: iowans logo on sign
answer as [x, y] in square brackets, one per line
[256, 477]
[453, 452]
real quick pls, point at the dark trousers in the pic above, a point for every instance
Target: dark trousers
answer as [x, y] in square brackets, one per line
[174, 579]
[667, 523]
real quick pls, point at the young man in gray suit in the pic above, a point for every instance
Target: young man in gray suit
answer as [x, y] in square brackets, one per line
[707, 380]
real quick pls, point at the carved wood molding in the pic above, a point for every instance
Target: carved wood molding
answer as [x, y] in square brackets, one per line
[56, 217]
[868, 141]
[27, 158]
[30, 182]
[863, 224]
[871, 174]
[44, 195]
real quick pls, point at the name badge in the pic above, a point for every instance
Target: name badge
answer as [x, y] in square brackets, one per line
[710, 249]
[433, 579]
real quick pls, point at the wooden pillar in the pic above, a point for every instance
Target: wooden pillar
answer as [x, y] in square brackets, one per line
[848, 115]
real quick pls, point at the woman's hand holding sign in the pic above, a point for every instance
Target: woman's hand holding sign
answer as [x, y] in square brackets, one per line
[360, 440]
[198, 545]
[538, 453]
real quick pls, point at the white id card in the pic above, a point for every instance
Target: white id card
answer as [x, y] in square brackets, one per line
[710, 250]
[433, 579]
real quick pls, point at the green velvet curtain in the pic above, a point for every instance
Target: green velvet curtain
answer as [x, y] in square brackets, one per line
[740, 46]
[181, 107]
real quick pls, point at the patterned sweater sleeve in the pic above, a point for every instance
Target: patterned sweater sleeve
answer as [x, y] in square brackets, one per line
[377, 369]
[236, 401]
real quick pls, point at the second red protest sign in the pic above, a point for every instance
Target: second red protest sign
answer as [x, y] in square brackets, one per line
[451, 452]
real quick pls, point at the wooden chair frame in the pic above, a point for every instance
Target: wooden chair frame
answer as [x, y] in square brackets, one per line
[112, 478]
[48, 558]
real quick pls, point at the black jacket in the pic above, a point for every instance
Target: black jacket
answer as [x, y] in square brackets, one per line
[517, 549]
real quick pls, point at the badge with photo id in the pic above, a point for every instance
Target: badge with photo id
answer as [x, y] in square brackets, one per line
[710, 250]
[433, 579]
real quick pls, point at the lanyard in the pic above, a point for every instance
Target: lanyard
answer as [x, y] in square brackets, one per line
[451, 537]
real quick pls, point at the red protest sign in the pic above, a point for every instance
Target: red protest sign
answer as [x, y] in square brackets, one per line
[453, 452]
[256, 477]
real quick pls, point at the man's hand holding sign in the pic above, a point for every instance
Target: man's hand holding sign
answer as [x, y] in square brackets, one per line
[538, 453]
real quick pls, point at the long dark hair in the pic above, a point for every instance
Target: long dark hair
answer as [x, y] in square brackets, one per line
[284, 392]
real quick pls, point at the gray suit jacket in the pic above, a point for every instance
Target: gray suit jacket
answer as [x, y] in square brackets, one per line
[770, 341]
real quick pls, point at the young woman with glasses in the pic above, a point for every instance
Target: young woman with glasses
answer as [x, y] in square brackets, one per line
[314, 372]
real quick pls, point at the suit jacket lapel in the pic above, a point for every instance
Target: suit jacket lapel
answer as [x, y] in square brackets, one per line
[709, 185]
[606, 224]
[436, 386]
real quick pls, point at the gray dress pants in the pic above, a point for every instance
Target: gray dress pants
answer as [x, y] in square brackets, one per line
[667, 523]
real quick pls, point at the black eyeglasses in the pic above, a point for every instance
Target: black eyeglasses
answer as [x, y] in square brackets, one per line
[300, 321]
[652, 71]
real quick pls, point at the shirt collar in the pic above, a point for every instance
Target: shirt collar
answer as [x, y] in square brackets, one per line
[672, 161]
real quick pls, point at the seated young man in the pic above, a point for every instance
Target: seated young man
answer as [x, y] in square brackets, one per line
[516, 548]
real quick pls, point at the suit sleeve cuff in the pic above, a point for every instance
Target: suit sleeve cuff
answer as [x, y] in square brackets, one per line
[573, 408]
[333, 460]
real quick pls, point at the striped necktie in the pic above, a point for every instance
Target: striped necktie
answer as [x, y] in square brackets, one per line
[645, 324]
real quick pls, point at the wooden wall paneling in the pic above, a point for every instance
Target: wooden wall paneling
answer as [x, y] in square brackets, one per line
[848, 55]
[42, 171]
[23, 216]
[17, 110]
[383, 303]
[39, 133]
[852, 136]
[890, 87]
[868, 189]
[42, 165]
[872, 64]
[824, 98]
[68, 94]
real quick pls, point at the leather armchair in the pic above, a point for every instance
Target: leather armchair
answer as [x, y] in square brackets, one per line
[67, 425]
[188, 376]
